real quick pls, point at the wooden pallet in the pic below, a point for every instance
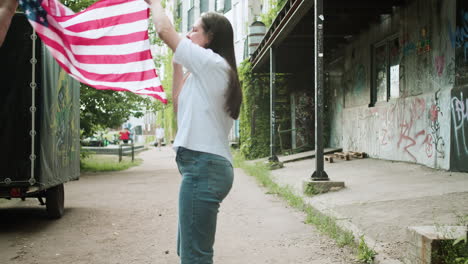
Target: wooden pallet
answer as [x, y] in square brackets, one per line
[358, 155]
[329, 158]
[342, 155]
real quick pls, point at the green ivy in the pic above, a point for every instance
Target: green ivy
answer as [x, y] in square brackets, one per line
[275, 6]
[254, 121]
[255, 112]
[166, 117]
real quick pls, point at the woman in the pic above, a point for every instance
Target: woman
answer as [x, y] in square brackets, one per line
[207, 101]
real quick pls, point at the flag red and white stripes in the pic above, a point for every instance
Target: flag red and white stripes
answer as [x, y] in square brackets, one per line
[105, 46]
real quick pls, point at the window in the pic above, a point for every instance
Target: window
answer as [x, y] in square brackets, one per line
[190, 19]
[239, 20]
[204, 6]
[235, 21]
[385, 70]
[179, 15]
[394, 59]
[227, 5]
[380, 73]
[191, 15]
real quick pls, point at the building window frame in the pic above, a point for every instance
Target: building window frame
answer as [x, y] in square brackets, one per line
[179, 10]
[227, 6]
[191, 15]
[204, 6]
[385, 70]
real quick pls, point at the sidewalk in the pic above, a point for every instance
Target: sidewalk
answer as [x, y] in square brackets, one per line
[383, 198]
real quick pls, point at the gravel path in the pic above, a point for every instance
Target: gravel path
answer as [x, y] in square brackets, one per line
[131, 217]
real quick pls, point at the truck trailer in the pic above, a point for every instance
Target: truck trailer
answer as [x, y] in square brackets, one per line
[40, 121]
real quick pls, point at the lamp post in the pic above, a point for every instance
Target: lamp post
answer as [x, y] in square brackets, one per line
[273, 157]
[319, 174]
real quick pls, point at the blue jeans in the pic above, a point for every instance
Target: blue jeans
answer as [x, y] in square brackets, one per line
[206, 181]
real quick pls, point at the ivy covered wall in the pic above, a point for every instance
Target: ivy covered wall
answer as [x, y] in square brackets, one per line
[254, 120]
[294, 105]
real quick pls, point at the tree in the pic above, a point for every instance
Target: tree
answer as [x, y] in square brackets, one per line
[78, 5]
[106, 108]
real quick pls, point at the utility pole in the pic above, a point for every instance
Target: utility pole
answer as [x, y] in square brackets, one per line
[319, 174]
[273, 157]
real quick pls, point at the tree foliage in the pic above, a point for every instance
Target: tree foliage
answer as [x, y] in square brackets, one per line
[275, 6]
[78, 5]
[106, 108]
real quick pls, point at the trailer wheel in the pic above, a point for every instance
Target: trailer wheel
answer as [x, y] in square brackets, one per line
[55, 201]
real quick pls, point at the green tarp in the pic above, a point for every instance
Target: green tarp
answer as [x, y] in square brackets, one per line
[59, 151]
[56, 120]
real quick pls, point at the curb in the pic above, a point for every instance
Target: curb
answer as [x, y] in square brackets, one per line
[347, 225]
[344, 223]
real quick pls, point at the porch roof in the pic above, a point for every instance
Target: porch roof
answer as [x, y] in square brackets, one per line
[292, 31]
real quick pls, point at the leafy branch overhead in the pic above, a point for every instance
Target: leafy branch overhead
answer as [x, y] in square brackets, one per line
[275, 6]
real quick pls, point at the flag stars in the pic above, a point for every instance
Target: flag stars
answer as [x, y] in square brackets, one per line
[34, 11]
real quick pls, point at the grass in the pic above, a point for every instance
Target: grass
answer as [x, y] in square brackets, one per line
[365, 254]
[448, 251]
[323, 223]
[102, 163]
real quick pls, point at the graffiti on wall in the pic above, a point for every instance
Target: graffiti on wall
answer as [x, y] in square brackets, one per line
[439, 63]
[407, 46]
[459, 37]
[459, 108]
[459, 40]
[408, 129]
[419, 47]
[408, 133]
[435, 136]
[424, 44]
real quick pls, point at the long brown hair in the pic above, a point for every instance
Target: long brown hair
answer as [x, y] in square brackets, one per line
[221, 41]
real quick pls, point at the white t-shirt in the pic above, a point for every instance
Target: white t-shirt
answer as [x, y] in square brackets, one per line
[159, 132]
[203, 124]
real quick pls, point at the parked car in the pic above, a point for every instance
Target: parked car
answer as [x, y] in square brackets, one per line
[93, 142]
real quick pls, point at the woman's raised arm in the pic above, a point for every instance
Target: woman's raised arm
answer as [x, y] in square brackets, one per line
[163, 25]
[177, 83]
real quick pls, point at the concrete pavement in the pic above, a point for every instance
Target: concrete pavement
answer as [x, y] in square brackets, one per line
[383, 198]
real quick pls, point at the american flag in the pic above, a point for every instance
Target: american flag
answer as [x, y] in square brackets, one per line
[105, 46]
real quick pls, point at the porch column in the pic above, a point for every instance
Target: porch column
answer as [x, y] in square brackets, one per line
[273, 157]
[319, 174]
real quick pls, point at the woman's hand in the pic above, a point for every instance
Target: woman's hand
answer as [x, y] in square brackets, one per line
[163, 25]
[9, 5]
[7, 10]
[150, 2]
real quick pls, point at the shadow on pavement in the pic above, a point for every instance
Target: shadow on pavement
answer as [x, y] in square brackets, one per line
[26, 219]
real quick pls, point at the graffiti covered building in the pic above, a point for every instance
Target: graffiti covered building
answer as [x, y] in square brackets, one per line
[399, 89]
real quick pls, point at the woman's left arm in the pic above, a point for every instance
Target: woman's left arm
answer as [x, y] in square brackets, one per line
[163, 25]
